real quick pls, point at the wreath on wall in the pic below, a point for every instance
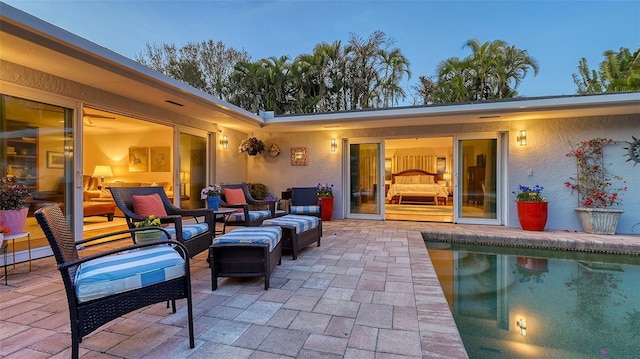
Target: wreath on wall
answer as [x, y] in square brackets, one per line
[633, 151]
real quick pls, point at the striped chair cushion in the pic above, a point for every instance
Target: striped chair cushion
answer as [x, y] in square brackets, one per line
[305, 209]
[124, 272]
[239, 216]
[270, 235]
[188, 230]
[301, 223]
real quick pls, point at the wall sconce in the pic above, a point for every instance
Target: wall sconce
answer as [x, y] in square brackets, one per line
[522, 324]
[522, 138]
[102, 172]
[224, 141]
[334, 145]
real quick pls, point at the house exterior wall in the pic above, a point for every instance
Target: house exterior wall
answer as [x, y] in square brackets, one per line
[548, 140]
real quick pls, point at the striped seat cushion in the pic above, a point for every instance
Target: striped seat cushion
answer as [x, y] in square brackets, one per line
[269, 235]
[301, 223]
[239, 216]
[305, 209]
[114, 274]
[188, 230]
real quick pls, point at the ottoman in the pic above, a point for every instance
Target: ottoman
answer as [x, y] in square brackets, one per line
[98, 209]
[297, 231]
[246, 252]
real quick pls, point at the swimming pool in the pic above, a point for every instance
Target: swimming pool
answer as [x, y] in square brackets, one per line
[529, 303]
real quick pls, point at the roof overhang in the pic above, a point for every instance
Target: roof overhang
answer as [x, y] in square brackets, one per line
[30, 42]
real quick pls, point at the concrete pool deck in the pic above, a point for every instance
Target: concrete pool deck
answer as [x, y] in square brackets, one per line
[370, 291]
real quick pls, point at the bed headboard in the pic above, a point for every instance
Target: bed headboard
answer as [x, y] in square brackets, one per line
[414, 173]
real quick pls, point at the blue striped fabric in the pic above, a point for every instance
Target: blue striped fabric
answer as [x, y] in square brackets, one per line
[188, 230]
[301, 223]
[270, 235]
[127, 271]
[305, 209]
[239, 216]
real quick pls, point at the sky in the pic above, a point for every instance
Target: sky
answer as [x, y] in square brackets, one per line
[557, 34]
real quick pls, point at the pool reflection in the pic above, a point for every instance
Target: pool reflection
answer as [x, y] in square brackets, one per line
[509, 303]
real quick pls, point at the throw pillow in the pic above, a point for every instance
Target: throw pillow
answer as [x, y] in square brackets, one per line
[234, 196]
[426, 179]
[149, 205]
[403, 180]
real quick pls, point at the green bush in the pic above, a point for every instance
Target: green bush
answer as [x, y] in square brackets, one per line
[258, 190]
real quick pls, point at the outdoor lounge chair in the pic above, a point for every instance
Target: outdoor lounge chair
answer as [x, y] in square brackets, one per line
[196, 236]
[251, 212]
[304, 201]
[120, 271]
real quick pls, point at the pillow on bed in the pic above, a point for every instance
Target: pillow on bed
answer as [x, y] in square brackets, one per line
[415, 179]
[424, 179]
[403, 179]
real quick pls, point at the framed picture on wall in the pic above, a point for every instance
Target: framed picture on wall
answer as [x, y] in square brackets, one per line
[387, 169]
[160, 159]
[299, 156]
[55, 159]
[138, 159]
[441, 164]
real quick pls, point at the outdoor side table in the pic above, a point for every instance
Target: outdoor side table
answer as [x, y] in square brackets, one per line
[225, 213]
[4, 250]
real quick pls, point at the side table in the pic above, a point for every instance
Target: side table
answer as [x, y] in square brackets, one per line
[225, 213]
[4, 249]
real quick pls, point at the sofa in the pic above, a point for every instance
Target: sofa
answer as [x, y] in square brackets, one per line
[93, 195]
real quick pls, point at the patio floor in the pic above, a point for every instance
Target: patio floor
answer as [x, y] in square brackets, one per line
[368, 292]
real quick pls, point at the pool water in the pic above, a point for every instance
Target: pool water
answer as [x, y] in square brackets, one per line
[528, 303]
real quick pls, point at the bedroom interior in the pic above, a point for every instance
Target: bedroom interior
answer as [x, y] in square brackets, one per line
[418, 179]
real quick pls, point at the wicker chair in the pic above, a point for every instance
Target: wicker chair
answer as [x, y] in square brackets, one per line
[91, 312]
[304, 201]
[123, 197]
[253, 211]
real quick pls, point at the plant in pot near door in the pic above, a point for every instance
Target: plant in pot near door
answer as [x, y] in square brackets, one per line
[13, 205]
[325, 197]
[211, 194]
[532, 208]
[595, 187]
[252, 146]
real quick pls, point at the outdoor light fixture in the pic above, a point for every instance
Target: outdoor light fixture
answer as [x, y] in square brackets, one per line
[224, 141]
[102, 172]
[334, 145]
[522, 138]
[522, 324]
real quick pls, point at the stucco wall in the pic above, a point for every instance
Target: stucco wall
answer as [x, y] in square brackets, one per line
[544, 156]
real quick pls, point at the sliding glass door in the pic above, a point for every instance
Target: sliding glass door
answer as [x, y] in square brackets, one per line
[192, 174]
[477, 179]
[365, 174]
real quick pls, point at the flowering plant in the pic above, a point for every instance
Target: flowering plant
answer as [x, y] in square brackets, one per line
[210, 191]
[271, 198]
[325, 190]
[251, 144]
[526, 194]
[151, 221]
[12, 195]
[593, 182]
[3, 229]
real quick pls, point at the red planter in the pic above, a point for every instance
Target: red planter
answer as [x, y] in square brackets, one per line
[532, 215]
[327, 208]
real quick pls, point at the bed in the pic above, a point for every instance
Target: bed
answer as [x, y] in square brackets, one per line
[416, 187]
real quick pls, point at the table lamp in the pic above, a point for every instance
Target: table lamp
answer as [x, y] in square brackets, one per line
[102, 172]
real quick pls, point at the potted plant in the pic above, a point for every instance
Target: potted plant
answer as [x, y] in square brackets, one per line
[150, 235]
[13, 205]
[211, 194]
[595, 187]
[252, 146]
[325, 196]
[532, 208]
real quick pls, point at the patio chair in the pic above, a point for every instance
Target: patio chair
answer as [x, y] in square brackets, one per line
[137, 203]
[304, 201]
[164, 264]
[251, 212]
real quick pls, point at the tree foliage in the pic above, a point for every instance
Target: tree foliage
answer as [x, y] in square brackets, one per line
[618, 72]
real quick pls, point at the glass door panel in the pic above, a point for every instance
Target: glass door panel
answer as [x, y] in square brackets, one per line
[193, 170]
[366, 171]
[476, 180]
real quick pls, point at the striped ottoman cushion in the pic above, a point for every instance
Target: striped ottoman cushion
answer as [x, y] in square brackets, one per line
[305, 209]
[188, 230]
[301, 223]
[132, 270]
[269, 235]
[252, 215]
